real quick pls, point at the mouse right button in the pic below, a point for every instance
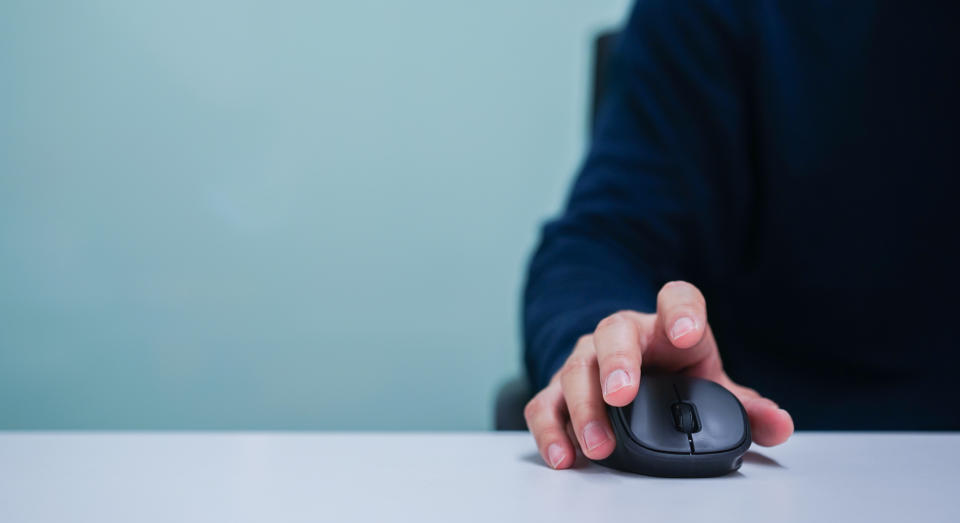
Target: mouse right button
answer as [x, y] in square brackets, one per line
[722, 421]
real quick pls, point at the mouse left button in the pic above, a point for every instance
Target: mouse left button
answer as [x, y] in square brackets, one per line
[649, 419]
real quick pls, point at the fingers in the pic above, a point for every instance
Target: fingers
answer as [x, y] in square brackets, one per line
[681, 314]
[547, 420]
[769, 424]
[605, 368]
[619, 355]
[580, 381]
[682, 323]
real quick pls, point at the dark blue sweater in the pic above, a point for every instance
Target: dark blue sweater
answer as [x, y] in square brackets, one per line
[798, 161]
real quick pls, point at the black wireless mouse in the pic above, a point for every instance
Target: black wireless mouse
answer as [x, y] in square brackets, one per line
[679, 427]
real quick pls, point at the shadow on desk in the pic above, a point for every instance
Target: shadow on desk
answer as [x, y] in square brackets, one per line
[755, 458]
[584, 465]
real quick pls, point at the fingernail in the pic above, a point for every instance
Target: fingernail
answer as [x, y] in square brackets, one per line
[681, 327]
[594, 435]
[615, 381]
[556, 455]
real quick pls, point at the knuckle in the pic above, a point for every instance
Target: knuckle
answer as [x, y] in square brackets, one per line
[698, 299]
[583, 342]
[578, 362]
[676, 284]
[685, 291]
[674, 287]
[619, 358]
[539, 403]
[551, 435]
[583, 409]
[617, 318]
[531, 408]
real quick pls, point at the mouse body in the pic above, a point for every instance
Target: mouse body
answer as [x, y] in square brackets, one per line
[679, 426]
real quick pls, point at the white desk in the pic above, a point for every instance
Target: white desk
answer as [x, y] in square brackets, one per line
[488, 477]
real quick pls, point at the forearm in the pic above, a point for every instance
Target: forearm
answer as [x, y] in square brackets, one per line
[666, 177]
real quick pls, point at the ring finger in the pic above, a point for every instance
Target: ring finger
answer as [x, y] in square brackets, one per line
[580, 381]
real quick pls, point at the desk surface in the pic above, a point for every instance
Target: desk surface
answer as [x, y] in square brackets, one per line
[106, 477]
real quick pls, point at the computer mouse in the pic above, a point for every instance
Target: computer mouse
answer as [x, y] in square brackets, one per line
[679, 427]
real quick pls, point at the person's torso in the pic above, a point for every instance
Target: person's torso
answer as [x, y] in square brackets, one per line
[849, 277]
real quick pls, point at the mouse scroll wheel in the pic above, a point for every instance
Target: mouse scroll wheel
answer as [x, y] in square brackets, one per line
[685, 417]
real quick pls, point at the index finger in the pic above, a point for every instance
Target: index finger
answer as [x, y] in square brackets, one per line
[682, 314]
[619, 340]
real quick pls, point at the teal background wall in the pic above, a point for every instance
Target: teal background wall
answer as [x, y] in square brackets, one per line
[277, 215]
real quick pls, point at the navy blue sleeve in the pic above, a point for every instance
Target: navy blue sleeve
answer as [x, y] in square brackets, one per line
[666, 177]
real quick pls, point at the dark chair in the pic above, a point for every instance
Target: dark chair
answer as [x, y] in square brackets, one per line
[514, 394]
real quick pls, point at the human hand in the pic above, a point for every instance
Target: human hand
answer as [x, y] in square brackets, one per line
[605, 368]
